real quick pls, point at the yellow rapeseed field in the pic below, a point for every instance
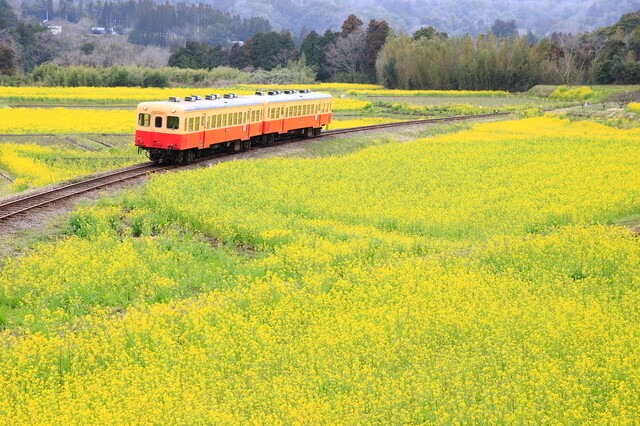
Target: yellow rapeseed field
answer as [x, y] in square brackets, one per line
[633, 106]
[398, 92]
[65, 120]
[139, 94]
[26, 166]
[474, 277]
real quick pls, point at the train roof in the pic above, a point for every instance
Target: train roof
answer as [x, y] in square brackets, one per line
[231, 101]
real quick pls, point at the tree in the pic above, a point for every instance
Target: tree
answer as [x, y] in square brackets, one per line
[428, 33]
[351, 25]
[238, 57]
[268, 50]
[347, 53]
[624, 97]
[196, 55]
[7, 17]
[374, 39]
[7, 60]
[35, 44]
[504, 29]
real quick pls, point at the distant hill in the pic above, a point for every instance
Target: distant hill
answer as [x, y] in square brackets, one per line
[456, 17]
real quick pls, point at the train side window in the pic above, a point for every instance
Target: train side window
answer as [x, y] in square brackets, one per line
[259, 115]
[191, 124]
[173, 123]
[144, 120]
[234, 119]
[196, 126]
[246, 116]
[281, 111]
[219, 121]
[158, 121]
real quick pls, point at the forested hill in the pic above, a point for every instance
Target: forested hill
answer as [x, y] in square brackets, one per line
[456, 17]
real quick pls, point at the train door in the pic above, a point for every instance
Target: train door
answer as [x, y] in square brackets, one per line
[202, 131]
[244, 119]
[158, 123]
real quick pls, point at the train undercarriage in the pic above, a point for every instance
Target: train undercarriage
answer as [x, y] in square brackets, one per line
[171, 156]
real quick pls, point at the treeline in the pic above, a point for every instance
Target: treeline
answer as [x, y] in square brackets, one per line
[428, 61]
[346, 55]
[74, 76]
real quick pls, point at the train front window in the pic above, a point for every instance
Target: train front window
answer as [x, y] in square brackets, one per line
[158, 122]
[144, 120]
[173, 123]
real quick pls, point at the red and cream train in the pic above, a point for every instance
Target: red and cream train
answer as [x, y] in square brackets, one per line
[180, 130]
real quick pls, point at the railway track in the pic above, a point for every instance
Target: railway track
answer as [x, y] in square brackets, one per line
[13, 207]
[17, 206]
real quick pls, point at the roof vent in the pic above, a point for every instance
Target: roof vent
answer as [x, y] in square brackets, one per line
[289, 92]
[305, 91]
[273, 92]
[211, 97]
[230, 95]
[192, 98]
[259, 93]
[174, 99]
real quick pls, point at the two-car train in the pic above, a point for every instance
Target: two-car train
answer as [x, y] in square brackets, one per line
[180, 130]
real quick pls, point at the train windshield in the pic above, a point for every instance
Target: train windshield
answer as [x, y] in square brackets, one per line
[144, 120]
[173, 123]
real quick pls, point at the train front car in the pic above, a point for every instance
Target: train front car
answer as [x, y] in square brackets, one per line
[160, 129]
[177, 131]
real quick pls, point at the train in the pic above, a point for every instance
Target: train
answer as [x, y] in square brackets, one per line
[179, 130]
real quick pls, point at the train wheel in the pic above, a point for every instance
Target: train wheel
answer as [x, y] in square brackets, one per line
[178, 157]
[316, 132]
[155, 155]
[190, 155]
[307, 133]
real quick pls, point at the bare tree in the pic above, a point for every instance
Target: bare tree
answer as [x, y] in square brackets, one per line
[347, 53]
[567, 45]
